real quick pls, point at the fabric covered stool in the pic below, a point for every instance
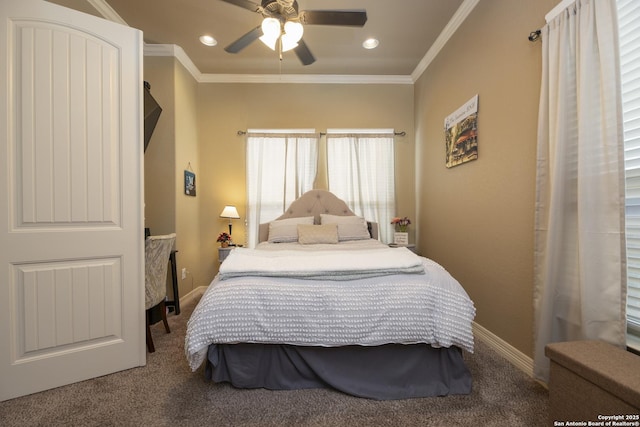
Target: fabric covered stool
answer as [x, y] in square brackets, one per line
[591, 380]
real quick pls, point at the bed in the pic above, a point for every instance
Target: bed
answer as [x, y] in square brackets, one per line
[321, 302]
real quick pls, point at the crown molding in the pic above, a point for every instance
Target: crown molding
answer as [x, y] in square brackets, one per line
[452, 26]
[305, 78]
[175, 51]
[107, 11]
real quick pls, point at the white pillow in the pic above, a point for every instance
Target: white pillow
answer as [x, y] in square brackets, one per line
[286, 230]
[313, 234]
[349, 227]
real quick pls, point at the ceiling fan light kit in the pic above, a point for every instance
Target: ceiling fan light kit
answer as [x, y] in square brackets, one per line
[289, 34]
[284, 24]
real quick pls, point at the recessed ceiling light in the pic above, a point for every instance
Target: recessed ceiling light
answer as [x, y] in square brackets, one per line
[370, 43]
[208, 40]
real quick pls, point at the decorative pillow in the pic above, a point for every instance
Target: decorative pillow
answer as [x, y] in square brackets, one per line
[349, 227]
[312, 234]
[286, 230]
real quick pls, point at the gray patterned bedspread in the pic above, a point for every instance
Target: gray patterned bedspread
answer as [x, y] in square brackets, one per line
[430, 308]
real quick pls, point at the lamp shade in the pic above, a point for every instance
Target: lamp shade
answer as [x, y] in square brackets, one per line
[271, 28]
[270, 32]
[270, 43]
[287, 43]
[293, 30]
[229, 211]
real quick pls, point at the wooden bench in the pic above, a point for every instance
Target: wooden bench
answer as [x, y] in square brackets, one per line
[592, 379]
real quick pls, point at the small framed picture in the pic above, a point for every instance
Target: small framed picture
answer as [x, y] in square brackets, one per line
[400, 238]
[189, 183]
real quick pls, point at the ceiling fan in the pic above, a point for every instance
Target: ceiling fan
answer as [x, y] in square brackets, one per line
[282, 26]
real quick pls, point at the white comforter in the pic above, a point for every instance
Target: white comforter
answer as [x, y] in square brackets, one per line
[427, 308]
[338, 264]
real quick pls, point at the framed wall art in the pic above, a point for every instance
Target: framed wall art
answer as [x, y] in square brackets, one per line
[461, 134]
[189, 183]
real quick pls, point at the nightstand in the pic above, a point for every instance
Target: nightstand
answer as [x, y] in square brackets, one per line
[410, 246]
[223, 253]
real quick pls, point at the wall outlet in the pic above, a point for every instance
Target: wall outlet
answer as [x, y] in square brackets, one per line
[184, 273]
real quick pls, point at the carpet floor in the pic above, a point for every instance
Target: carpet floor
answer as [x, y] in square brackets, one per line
[166, 393]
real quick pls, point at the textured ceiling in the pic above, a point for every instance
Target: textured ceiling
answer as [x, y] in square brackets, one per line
[406, 30]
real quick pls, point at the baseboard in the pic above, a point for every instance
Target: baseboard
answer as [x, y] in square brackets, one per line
[194, 294]
[506, 350]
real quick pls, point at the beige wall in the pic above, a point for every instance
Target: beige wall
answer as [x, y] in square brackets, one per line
[173, 147]
[188, 228]
[224, 109]
[159, 186]
[476, 219]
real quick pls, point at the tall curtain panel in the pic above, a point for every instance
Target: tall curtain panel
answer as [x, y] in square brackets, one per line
[361, 171]
[280, 168]
[580, 256]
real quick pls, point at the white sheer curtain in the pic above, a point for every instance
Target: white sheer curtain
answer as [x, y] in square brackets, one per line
[281, 166]
[580, 261]
[360, 169]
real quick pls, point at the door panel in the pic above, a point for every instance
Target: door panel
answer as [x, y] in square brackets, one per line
[66, 176]
[66, 304]
[71, 227]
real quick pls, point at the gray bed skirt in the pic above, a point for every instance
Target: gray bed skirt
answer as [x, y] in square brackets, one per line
[386, 372]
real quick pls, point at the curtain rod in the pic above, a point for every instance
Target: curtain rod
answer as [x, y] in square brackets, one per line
[534, 35]
[557, 10]
[401, 133]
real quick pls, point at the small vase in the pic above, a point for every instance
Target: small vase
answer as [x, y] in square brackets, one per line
[224, 244]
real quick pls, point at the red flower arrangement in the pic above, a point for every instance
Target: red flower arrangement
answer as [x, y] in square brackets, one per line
[401, 223]
[223, 237]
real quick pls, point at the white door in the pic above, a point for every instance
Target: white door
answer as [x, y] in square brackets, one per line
[71, 227]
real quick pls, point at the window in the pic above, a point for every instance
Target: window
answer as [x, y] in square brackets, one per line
[281, 166]
[629, 30]
[360, 169]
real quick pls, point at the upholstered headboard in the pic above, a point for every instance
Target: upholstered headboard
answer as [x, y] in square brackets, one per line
[316, 202]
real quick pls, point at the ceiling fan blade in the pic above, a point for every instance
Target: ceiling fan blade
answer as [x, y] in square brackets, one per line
[350, 18]
[245, 4]
[304, 54]
[245, 40]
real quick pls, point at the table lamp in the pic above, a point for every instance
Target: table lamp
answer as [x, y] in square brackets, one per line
[230, 212]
